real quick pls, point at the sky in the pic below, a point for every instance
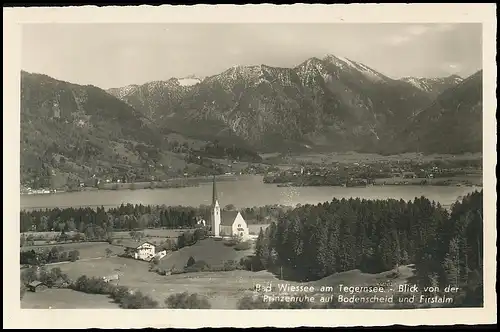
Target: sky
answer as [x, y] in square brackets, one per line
[116, 55]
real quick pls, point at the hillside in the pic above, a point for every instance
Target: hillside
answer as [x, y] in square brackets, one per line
[212, 252]
[452, 123]
[69, 133]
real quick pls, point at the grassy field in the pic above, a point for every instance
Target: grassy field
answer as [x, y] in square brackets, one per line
[130, 268]
[212, 252]
[66, 299]
[86, 249]
[223, 289]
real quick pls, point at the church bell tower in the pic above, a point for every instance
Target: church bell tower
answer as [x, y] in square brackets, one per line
[216, 218]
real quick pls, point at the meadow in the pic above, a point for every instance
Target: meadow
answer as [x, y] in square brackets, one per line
[223, 289]
[152, 233]
[213, 252]
[86, 249]
[66, 299]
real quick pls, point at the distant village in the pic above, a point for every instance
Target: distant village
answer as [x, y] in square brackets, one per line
[354, 174]
[379, 173]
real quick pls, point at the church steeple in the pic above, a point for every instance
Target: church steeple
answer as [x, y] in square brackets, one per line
[214, 192]
[216, 217]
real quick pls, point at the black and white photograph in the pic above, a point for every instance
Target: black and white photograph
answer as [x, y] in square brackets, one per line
[252, 165]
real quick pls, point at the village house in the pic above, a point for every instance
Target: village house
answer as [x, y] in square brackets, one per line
[200, 222]
[161, 251]
[37, 286]
[139, 250]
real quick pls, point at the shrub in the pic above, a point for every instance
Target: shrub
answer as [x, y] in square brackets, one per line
[137, 300]
[230, 243]
[161, 271]
[119, 292]
[190, 261]
[187, 301]
[198, 266]
[251, 263]
[231, 265]
[248, 303]
[74, 255]
[243, 246]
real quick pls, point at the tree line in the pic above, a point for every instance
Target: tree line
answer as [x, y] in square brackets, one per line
[42, 256]
[98, 223]
[313, 241]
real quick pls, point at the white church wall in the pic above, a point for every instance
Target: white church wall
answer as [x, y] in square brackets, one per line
[240, 227]
[216, 227]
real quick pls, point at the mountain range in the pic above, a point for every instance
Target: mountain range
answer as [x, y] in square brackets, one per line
[325, 104]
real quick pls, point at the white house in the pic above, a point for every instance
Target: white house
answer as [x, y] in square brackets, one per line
[144, 251]
[227, 223]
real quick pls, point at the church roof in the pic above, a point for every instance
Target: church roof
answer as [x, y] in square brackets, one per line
[227, 217]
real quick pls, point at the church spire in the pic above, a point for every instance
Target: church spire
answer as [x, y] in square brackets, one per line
[214, 192]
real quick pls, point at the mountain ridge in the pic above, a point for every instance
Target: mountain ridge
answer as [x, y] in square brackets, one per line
[245, 100]
[328, 104]
[434, 86]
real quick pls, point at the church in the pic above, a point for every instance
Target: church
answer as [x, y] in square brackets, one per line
[226, 223]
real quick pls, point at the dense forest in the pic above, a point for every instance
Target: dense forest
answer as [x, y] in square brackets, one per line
[97, 223]
[379, 235]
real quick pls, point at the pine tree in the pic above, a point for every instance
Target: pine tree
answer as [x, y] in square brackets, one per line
[261, 249]
[451, 263]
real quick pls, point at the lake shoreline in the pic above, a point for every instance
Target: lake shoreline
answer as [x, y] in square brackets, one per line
[246, 191]
[126, 186]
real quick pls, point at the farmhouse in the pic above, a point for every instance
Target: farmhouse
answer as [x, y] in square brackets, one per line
[144, 251]
[37, 286]
[161, 253]
[227, 223]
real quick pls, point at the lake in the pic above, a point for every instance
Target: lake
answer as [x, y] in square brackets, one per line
[244, 191]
